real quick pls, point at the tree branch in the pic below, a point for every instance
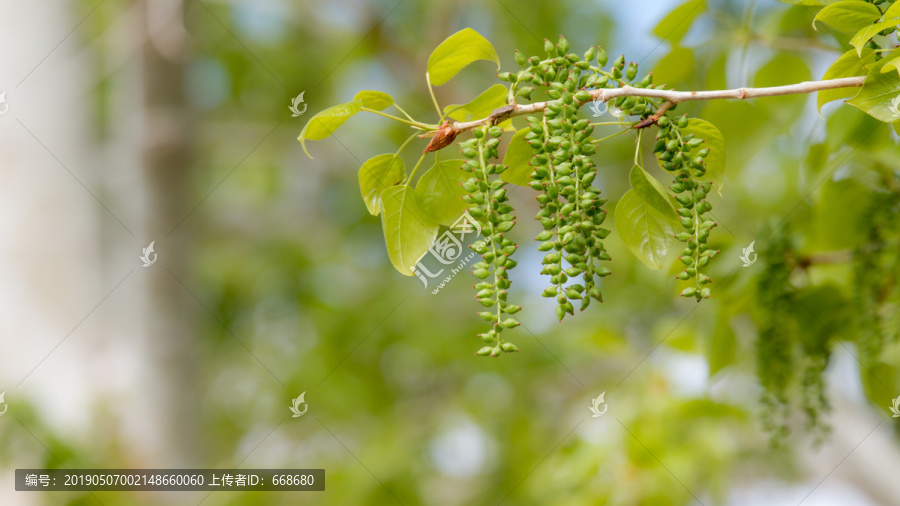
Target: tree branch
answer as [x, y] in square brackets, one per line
[672, 97]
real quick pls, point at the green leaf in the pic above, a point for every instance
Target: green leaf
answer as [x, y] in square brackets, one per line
[715, 162]
[480, 107]
[456, 52]
[891, 64]
[651, 192]
[879, 96]
[645, 231]
[675, 25]
[518, 154]
[848, 65]
[377, 100]
[326, 122]
[407, 232]
[439, 192]
[848, 16]
[893, 11]
[377, 174]
[863, 36]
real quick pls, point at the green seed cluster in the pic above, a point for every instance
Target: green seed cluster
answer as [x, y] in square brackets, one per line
[491, 209]
[559, 67]
[684, 155]
[571, 208]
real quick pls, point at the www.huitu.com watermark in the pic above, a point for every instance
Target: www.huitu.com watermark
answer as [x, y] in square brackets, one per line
[447, 250]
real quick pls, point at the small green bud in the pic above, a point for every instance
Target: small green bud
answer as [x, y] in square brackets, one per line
[510, 323]
[484, 351]
[563, 45]
[589, 54]
[549, 48]
[602, 58]
[689, 292]
[631, 72]
[509, 347]
[520, 58]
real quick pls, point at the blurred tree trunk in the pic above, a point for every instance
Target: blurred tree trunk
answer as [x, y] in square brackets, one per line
[165, 159]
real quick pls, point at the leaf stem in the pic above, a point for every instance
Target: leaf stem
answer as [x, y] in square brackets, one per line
[620, 132]
[411, 137]
[404, 113]
[433, 98]
[637, 146]
[413, 172]
[414, 124]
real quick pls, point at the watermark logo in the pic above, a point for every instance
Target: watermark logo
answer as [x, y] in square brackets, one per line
[295, 408]
[745, 257]
[3, 403]
[295, 104]
[595, 108]
[146, 256]
[895, 106]
[3, 105]
[596, 404]
[895, 409]
[447, 249]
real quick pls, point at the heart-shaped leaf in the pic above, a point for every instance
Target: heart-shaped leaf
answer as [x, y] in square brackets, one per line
[456, 52]
[645, 231]
[651, 191]
[849, 64]
[376, 100]
[326, 122]
[376, 175]
[849, 16]
[408, 232]
[440, 192]
[879, 96]
[481, 106]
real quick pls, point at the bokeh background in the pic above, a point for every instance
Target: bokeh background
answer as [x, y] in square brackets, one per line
[168, 121]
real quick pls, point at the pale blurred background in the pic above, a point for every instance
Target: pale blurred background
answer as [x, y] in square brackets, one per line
[168, 121]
